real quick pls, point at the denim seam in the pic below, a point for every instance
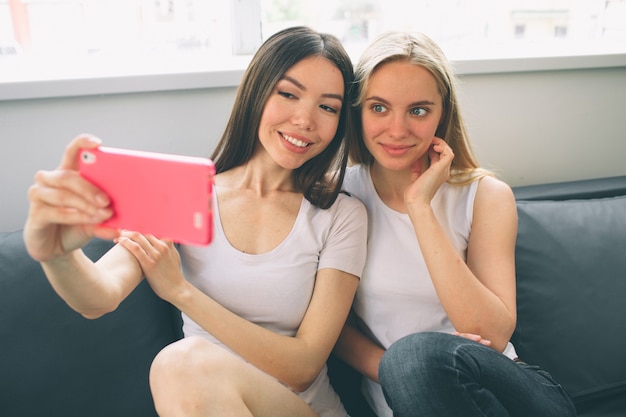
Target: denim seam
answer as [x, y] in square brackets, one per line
[458, 380]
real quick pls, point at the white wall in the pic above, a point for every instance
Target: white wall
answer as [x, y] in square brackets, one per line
[33, 133]
[530, 127]
[539, 127]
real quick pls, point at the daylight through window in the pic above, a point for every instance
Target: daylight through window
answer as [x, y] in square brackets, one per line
[171, 35]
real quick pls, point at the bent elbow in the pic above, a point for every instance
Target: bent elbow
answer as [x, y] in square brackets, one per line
[96, 313]
[500, 343]
[302, 386]
[92, 315]
[304, 379]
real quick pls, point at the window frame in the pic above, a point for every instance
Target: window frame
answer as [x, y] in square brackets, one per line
[230, 76]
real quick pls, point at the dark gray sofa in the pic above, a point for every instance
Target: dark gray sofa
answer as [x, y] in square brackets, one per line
[571, 272]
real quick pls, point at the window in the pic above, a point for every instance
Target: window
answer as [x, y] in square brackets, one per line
[560, 31]
[65, 39]
[467, 29]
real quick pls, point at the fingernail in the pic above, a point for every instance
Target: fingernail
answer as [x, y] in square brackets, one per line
[103, 214]
[94, 139]
[102, 200]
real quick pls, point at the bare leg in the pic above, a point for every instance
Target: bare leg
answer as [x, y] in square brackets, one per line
[193, 377]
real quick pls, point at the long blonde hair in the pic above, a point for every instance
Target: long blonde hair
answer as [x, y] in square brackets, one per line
[419, 49]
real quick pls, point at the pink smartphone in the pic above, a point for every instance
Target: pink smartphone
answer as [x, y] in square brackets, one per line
[169, 196]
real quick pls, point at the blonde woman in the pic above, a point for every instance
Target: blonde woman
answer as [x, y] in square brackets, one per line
[436, 306]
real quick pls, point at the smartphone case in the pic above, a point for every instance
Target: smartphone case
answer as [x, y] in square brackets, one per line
[169, 196]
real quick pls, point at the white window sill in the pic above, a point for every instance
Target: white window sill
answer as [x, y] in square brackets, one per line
[176, 74]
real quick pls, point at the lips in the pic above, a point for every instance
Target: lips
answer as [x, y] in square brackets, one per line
[295, 142]
[396, 150]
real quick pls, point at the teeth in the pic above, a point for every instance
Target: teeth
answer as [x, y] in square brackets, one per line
[296, 142]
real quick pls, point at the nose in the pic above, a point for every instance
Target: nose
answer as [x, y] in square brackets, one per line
[303, 117]
[398, 127]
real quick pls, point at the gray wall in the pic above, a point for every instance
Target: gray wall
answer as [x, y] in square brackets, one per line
[530, 127]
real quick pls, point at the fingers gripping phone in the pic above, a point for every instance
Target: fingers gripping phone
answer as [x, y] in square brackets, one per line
[169, 196]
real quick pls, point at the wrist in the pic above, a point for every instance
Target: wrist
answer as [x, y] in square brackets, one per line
[182, 296]
[418, 207]
[62, 260]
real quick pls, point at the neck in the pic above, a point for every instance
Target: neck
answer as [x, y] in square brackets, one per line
[390, 185]
[261, 179]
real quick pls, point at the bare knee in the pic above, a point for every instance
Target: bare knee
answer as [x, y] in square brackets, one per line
[175, 360]
[191, 376]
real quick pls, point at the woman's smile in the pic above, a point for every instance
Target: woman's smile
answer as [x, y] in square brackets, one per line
[397, 150]
[302, 114]
[300, 144]
[400, 119]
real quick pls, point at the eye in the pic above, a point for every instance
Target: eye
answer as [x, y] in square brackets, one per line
[286, 94]
[378, 108]
[419, 111]
[329, 109]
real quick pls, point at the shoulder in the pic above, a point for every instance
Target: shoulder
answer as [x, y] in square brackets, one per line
[343, 223]
[346, 212]
[493, 189]
[493, 197]
[345, 205]
[348, 203]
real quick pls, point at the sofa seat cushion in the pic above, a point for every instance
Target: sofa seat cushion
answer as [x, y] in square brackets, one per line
[571, 283]
[57, 363]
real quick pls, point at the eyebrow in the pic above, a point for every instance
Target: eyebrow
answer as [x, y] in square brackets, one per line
[303, 88]
[416, 103]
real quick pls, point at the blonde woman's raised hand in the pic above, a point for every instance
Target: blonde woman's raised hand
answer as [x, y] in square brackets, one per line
[428, 175]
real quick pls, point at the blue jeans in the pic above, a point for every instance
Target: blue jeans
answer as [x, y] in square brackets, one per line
[441, 375]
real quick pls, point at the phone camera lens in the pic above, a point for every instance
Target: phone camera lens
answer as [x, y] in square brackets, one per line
[88, 157]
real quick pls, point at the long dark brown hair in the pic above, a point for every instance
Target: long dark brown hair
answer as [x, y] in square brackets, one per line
[320, 178]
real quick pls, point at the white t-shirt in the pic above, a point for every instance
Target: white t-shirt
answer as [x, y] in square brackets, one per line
[396, 296]
[274, 289]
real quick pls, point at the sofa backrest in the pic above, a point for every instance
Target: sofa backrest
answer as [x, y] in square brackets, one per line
[54, 362]
[571, 284]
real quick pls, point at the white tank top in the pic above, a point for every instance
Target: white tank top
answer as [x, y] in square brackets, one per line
[396, 296]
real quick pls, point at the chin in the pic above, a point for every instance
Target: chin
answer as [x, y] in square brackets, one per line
[394, 164]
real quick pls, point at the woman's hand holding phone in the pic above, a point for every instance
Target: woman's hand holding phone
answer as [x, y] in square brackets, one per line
[98, 191]
[65, 209]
